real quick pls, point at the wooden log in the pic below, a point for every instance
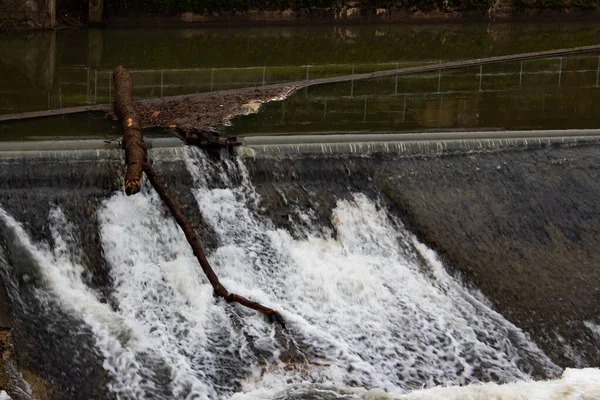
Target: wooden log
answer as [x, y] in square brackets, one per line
[198, 251]
[133, 140]
[96, 12]
[137, 163]
[208, 140]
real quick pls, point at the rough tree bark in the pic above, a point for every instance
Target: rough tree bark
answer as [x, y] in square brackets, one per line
[192, 239]
[133, 140]
[137, 162]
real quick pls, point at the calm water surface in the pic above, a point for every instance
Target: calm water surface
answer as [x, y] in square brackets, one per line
[71, 68]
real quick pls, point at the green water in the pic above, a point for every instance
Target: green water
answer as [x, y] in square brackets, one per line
[53, 70]
[560, 93]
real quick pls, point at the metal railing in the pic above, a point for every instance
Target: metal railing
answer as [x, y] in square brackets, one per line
[81, 86]
[96, 85]
[99, 81]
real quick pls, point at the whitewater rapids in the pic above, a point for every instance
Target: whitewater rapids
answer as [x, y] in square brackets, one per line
[371, 311]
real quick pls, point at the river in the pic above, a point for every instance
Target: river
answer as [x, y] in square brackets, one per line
[443, 276]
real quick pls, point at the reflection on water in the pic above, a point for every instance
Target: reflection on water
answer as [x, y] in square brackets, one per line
[68, 68]
[538, 94]
[92, 125]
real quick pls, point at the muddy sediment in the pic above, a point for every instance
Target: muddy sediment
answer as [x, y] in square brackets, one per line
[205, 112]
[520, 226]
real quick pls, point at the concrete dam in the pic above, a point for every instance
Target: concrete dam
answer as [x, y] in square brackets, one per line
[424, 222]
[399, 266]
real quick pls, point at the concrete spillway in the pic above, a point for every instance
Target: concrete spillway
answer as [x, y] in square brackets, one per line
[412, 143]
[338, 232]
[428, 143]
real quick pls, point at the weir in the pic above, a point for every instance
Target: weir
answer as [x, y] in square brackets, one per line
[408, 217]
[335, 240]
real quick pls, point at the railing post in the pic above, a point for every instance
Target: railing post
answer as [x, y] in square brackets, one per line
[521, 75]
[365, 115]
[110, 87]
[397, 68]
[352, 83]
[264, 75]
[51, 13]
[96, 12]
[404, 110]
[96, 86]
[162, 80]
[439, 78]
[560, 71]
[598, 72]
[480, 76]
[88, 86]
[212, 77]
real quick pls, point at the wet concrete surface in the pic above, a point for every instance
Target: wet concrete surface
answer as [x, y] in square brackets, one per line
[53, 350]
[521, 226]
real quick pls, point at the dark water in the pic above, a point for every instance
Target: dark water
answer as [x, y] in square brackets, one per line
[68, 68]
[558, 93]
[66, 127]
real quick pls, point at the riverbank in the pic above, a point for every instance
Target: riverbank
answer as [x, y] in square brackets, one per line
[56, 14]
[499, 10]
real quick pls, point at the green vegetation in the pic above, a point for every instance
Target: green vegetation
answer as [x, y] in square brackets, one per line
[541, 4]
[585, 4]
[479, 4]
[210, 6]
[556, 4]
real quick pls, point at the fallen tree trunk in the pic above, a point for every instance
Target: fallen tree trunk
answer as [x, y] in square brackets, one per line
[209, 140]
[133, 140]
[192, 239]
[138, 163]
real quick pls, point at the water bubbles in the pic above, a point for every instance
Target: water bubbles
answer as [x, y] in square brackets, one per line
[369, 309]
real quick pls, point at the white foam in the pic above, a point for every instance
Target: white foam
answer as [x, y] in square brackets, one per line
[575, 384]
[4, 396]
[157, 342]
[594, 328]
[370, 307]
[370, 314]
[63, 278]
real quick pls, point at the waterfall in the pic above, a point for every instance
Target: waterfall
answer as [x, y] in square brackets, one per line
[370, 310]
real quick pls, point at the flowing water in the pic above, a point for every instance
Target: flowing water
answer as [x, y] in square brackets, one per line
[371, 312]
